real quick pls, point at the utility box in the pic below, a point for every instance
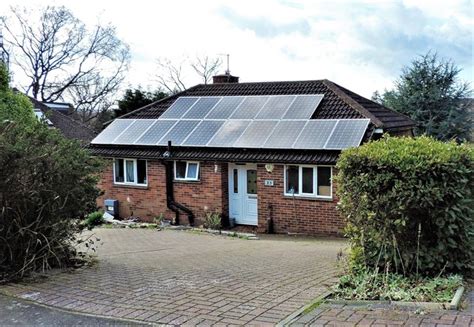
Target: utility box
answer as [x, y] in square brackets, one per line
[112, 207]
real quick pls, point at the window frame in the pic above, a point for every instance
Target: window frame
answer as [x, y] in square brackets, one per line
[135, 171]
[300, 182]
[186, 178]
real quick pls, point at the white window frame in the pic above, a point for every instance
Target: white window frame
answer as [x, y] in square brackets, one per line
[300, 182]
[135, 168]
[186, 178]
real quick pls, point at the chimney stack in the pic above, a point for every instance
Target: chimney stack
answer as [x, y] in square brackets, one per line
[225, 78]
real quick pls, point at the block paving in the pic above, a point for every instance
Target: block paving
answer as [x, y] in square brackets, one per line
[184, 278]
[383, 315]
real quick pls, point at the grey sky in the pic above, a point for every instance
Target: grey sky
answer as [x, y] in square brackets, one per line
[361, 45]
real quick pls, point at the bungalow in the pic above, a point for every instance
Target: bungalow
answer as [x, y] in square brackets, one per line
[260, 154]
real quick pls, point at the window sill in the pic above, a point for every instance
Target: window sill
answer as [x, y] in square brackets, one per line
[187, 181]
[141, 187]
[313, 198]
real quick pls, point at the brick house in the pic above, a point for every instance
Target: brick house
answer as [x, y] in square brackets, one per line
[261, 154]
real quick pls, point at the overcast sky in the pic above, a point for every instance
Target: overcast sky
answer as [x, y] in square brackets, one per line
[361, 45]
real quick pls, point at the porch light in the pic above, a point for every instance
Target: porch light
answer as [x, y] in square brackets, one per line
[269, 167]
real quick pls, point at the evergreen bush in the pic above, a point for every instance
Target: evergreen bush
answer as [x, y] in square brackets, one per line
[47, 183]
[409, 205]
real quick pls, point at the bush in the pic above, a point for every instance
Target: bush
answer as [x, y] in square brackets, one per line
[47, 183]
[213, 220]
[94, 219]
[409, 205]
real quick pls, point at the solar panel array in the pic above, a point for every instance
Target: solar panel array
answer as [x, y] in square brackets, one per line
[244, 107]
[272, 122]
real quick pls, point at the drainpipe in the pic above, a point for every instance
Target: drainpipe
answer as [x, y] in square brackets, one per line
[170, 202]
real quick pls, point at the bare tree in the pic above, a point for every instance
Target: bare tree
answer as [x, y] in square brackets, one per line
[170, 75]
[206, 67]
[61, 59]
[173, 75]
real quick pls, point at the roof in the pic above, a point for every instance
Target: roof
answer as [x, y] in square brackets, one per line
[227, 155]
[69, 127]
[63, 107]
[338, 102]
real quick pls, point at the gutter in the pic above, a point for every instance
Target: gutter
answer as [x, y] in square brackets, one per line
[170, 201]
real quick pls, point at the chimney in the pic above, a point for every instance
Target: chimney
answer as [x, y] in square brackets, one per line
[225, 78]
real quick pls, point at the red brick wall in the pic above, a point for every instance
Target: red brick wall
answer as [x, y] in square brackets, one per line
[144, 202]
[148, 202]
[204, 195]
[295, 215]
[298, 215]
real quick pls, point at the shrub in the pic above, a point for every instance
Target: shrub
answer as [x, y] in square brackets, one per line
[409, 205]
[159, 219]
[47, 183]
[213, 220]
[94, 219]
[367, 285]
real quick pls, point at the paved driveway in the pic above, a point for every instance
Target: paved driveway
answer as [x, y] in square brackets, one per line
[177, 277]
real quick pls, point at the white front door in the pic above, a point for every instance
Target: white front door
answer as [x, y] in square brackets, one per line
[243, 205]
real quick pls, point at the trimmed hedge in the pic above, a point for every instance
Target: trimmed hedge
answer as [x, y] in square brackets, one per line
[409, 205]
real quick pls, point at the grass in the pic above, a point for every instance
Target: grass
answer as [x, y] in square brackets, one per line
[313, 306]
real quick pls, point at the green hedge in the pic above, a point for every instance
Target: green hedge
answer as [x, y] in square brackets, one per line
[409, 205]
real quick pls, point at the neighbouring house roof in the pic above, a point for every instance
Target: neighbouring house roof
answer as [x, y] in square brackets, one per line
[63, 107]
[337, 103]
[69, 127]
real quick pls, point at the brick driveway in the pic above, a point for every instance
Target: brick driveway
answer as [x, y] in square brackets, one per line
[176, 277]
[383, 315]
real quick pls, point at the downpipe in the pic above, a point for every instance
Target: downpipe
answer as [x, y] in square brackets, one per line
[170, 201]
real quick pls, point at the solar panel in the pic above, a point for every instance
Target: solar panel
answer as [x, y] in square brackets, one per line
[281, 121]
[275, 107]
[284, 134]
[347, 133]
[250, 107]
[303, 107]
[179, 107]
[315, 134]
[179, 132]
[108, 135]
[203, 133]
[201, 107]
[225, 108]
[229, 133]
[155, 132]
[130, 135]
[256, 134]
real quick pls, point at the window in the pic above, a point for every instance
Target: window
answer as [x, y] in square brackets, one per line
[130, 171]
[324, 181]
[186, 170]
[313, 181]
[292, 180]
[236, 181]
[251, 181]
